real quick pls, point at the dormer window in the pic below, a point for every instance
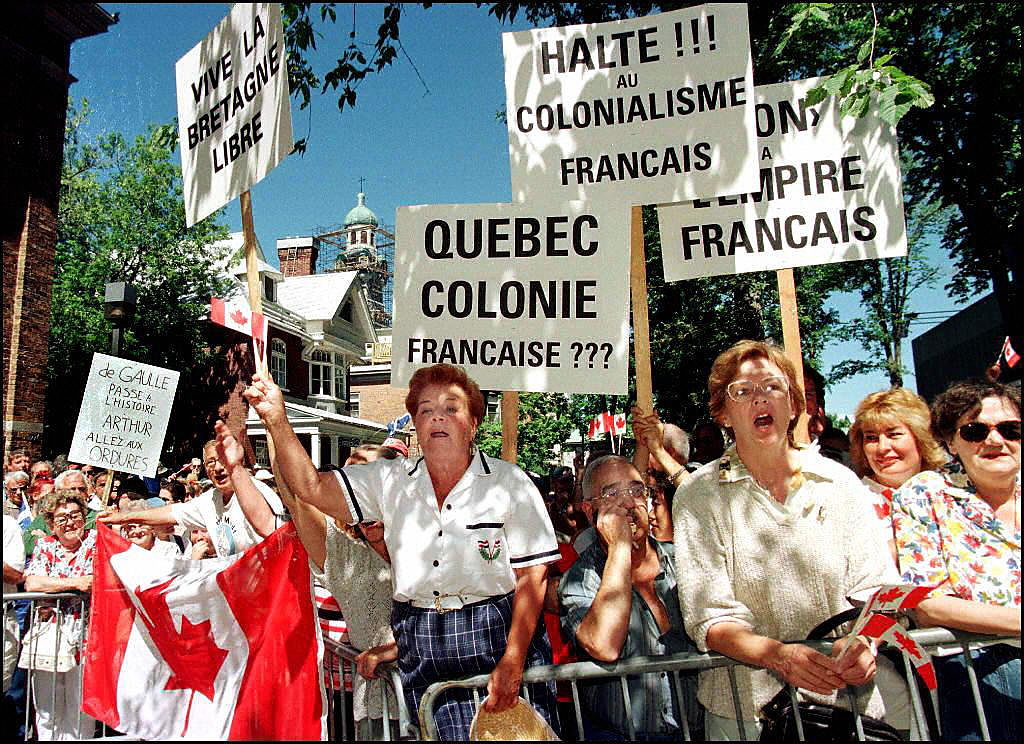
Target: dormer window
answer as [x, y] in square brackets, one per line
[269, 289]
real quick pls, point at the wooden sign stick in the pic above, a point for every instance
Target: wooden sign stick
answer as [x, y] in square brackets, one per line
[252, 276]
[510, 426]
[791, 339]
[641, 330]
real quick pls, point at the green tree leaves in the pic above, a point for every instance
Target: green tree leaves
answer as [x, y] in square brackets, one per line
[122, 219]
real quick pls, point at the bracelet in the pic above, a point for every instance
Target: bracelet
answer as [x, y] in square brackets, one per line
[677, 476]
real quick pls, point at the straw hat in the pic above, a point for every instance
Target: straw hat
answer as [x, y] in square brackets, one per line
[519, 723]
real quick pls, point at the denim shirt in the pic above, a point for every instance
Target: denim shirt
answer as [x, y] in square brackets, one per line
[654, 707]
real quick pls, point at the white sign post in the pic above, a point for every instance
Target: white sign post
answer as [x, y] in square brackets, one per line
[234, 114]
[830, 191]
[524, 298]
[123, 418]
[645, 110]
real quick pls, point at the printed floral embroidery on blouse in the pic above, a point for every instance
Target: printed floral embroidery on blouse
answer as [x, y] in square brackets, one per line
[52, 559]
[947, 531]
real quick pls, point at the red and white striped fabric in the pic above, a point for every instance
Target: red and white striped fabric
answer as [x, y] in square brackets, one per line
[332, 626]
[225, 648]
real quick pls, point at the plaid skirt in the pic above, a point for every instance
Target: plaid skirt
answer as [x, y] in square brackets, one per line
[434, 647]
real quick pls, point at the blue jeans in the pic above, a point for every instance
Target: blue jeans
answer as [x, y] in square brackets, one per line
[998, 671]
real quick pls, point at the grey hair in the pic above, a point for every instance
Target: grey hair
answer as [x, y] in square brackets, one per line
[677, 442]
[16, 475]
[587, 483]
[60, 480]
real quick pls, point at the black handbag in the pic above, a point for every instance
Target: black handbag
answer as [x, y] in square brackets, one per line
[821, 721]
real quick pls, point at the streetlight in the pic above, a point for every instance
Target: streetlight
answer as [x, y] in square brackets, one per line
[119, 301]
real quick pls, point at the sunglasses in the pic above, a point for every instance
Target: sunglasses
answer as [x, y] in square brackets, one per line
[976, 431]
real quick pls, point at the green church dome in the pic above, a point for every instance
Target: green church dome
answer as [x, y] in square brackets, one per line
[360, 214]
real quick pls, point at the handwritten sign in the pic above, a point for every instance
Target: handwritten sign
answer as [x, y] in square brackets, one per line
[524, 298]
[830, 191]
[234, 114]
[123, 418]
[645, 110]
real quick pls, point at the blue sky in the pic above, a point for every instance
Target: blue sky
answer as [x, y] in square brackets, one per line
[433, 141]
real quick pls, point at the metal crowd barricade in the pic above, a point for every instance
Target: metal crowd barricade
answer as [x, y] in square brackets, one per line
[22, 643]
[339, 660]
[689, 662]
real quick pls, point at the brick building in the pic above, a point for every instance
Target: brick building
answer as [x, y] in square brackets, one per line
[319, 326]
[36, 41]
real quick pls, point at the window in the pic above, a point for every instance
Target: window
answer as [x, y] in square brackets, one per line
[493, 410]
[327, 374]
[279, 362]
[259, 446]
[269, 289]
[345, 313]
[353, 404]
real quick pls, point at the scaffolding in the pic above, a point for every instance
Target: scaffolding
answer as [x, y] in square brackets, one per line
[368, 250]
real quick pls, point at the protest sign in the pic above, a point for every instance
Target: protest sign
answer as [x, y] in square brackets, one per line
[123, 418]
[830, 191]
[234, 114]
[646, 110]
[524, 298]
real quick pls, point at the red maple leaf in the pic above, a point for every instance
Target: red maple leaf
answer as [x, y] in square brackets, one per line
[907, 644]
[191, 653]
[889, 596]
[239, 318]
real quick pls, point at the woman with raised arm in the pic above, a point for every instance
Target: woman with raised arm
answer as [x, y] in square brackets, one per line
[770, 543]
[960, 527]
[469, 539]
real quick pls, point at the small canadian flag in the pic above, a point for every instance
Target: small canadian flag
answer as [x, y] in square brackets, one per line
[235, 314]
[607, 423]
[1009, 354]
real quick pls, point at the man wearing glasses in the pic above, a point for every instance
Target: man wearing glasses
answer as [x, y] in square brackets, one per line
[237, 512]
[15, 488]
[619, 600]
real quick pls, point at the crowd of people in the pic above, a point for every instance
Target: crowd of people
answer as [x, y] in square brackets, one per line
[735, 538]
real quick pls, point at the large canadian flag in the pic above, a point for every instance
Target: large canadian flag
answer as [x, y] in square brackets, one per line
[222, 648]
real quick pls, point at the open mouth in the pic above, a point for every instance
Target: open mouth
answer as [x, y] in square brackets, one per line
[438, 434]
[764, 421]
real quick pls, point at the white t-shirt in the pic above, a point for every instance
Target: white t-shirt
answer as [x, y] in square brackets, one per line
[14, 549]
[229, 530]
[493, 521]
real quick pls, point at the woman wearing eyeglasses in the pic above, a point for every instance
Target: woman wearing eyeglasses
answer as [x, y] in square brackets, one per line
[770, 542]
[60, 563]
[961, 525]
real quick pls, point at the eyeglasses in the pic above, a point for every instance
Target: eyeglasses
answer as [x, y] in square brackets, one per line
[976, 431]
[17, 488]
[742, 391]
[71, 518]
[636, 494]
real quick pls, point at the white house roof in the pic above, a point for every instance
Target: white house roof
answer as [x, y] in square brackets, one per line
[317, 296]
[240, 269]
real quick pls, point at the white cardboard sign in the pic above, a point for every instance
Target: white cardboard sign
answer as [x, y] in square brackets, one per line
[533, 299]
[234, 114]
[123, 418]
[830, 191]
[644, 110]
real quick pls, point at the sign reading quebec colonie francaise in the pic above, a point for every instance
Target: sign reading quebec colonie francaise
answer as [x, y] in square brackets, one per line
[645, 110]
[525, 298]
[123, 418]
[830, 191]
[234, 115]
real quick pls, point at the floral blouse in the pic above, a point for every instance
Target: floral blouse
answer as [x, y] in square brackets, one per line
[946, 531]
[52, 559]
